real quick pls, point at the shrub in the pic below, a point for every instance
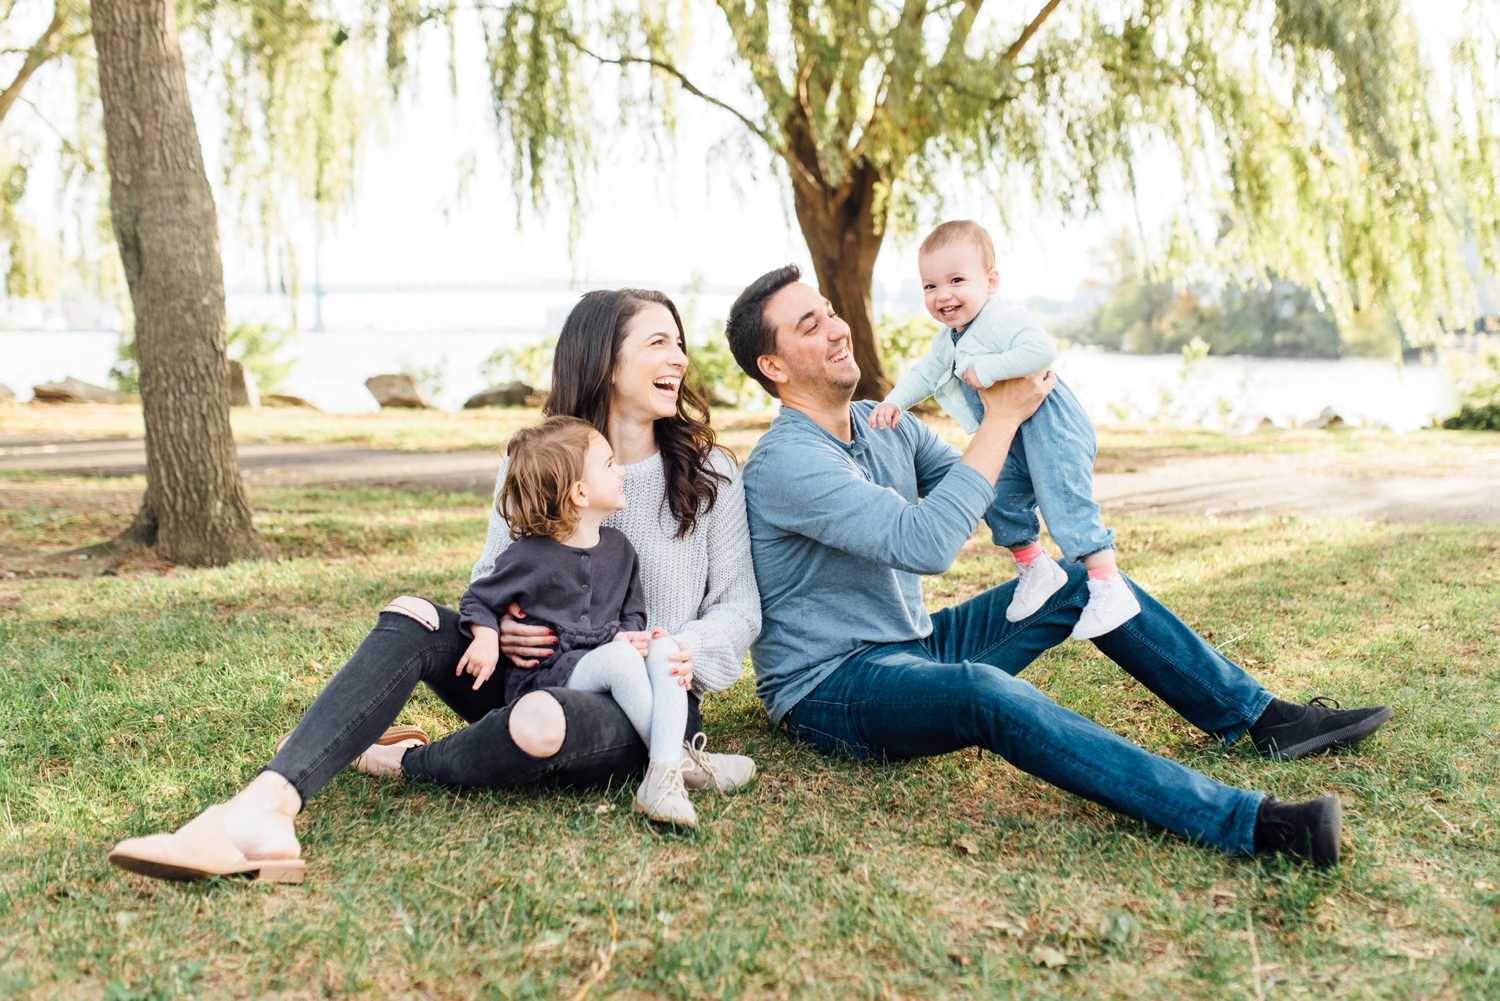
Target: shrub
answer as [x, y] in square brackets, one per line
[257, 346]
[529, 363]
[1475, 418]
[902, 340]
[1478, 392]
[717, 377]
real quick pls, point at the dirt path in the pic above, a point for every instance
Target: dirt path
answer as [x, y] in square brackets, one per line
[1400, 489]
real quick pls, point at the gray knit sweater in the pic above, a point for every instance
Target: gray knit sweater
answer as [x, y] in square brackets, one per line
[700, 588]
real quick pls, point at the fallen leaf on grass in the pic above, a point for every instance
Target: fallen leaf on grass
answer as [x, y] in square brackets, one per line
[1052, 959]
[959, 959]
[1005, 927]
[967, 845]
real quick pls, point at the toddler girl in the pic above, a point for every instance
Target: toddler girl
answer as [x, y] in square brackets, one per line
[571, 573]
[1051, 461]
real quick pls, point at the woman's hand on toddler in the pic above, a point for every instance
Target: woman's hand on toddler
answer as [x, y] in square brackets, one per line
[525, 645]
[681, 660]
[885, 416]
[481, 657]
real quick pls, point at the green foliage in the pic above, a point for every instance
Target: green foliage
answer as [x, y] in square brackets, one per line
[902, 340]
[530, 363]
[717, 377]
[1337, 159]
[125, 373]
[299, 85]
[1475, 417]
[1479, 391]
[1276, 320]
[427, 375]
[1145, 314]
[259, 347]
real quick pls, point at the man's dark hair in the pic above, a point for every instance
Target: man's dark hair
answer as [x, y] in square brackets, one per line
[750, 336]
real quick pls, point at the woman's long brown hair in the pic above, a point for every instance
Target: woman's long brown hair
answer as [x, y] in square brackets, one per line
[582, 367]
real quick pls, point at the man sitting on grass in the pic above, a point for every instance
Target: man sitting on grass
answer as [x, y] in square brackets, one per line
[843, 523]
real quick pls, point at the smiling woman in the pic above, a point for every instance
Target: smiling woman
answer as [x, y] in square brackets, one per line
[630, 388]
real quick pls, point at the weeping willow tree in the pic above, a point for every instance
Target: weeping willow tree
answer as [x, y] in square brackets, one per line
[1319, 131]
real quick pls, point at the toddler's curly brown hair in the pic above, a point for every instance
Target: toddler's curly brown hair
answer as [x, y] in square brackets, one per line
[545, 462]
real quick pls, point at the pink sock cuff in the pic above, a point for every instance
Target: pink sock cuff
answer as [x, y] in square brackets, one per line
[1025, 554]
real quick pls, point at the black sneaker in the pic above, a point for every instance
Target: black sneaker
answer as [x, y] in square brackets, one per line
[1286, 730]
[1307, 830]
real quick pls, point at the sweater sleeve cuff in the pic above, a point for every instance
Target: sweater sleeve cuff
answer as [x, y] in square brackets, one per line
[708, 673]
[477, 617]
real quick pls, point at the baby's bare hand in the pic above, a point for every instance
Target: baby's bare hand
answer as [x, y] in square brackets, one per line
[972, 379]
[885, 416]
[481, 657]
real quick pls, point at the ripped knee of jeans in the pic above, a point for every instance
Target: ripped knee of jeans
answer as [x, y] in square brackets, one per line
[537, 724]
[416, 608]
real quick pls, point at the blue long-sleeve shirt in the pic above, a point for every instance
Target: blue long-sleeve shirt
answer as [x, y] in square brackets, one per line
[840, 535]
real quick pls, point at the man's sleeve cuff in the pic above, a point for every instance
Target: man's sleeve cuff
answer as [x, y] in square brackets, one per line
[970, 488]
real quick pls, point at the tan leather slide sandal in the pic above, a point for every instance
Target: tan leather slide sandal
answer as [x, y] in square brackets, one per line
[201, 849]
[394, 735]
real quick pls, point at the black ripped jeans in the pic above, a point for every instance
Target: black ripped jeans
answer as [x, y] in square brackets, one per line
[365, 697]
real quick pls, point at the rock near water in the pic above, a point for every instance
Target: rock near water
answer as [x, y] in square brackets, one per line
[397, 390]
[283, 400]
[72, 390]
[507, 394]
[242, 391]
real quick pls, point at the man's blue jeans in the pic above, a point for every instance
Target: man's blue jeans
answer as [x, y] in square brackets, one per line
[957, 688]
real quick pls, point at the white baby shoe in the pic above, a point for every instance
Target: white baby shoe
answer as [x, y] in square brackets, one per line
[725, 772]
[1111, 604]
[1034, 585]
[662, 796]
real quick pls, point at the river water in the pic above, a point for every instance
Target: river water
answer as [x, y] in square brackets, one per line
[329, 369]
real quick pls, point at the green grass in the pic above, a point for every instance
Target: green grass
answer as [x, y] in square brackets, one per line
[132, 701]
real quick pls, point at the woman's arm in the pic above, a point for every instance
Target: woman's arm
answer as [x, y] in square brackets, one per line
[729, 616]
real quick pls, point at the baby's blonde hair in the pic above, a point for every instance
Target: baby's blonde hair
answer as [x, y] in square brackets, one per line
[960, 231]
[545, 462]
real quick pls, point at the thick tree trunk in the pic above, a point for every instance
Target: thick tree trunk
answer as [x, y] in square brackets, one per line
[194, 511]
[844, 230]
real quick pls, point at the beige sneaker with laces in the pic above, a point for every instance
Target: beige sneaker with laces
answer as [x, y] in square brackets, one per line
[662, 796]
[725, 772]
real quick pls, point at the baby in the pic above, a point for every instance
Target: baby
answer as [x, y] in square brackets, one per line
[1051, 461]
[571, 573]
